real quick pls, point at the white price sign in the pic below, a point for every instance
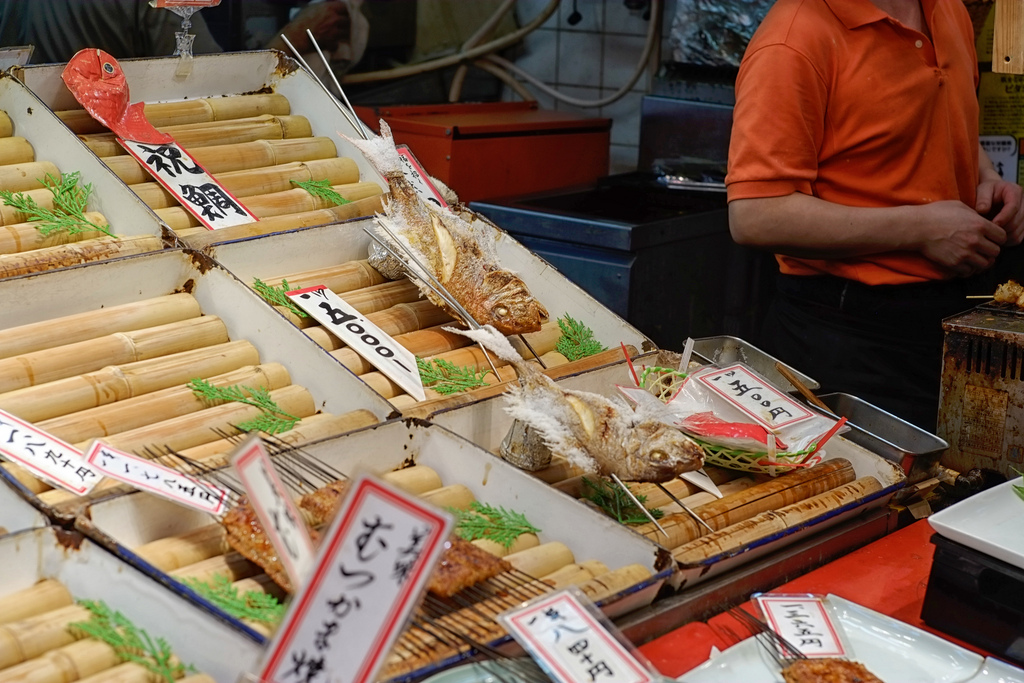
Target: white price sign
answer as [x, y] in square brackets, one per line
[195, 189]
[365, 338]
[418, 178]
[804, 622]
[162, 481]
[559, 631]
[278, 515]
[46, 456]
[372, 567]
[755, 397]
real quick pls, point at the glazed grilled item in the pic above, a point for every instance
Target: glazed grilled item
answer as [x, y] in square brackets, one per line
[457, 248]
[1010, 293]
[321, 505]
[463, 565]
[246, 535]
[828, 671]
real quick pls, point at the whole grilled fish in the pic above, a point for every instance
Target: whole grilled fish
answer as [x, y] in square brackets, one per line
[591, 431]
[458, 250]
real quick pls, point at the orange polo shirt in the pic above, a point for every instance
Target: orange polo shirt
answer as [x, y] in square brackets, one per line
[837, 100]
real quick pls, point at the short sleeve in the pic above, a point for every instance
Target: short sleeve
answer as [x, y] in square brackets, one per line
[778, 124]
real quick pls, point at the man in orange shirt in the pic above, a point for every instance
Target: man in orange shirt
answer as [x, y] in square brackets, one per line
[855, 158]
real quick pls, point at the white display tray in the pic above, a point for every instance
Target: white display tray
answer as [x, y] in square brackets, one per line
[131, 521]
[88, 571]
[16, 514]
[889, 648]
[987, 522]
[45, 296]
[486, 423]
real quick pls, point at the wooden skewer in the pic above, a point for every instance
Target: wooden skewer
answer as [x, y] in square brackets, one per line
[41, 597]
[91, 324]
[15, 150]
[86, 251]
[21, 237]
[119, 382]
[234, 157]
[185, 112]
[26, 176]
[59, 362]
[800, 386]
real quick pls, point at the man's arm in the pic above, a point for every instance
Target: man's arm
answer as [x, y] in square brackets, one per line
[996, 193]
[949, 233]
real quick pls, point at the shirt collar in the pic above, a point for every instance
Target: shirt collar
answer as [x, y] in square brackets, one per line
[856, 13]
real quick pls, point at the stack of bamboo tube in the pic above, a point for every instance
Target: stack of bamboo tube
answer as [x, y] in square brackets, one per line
[23, 248]
[121, 374]
[400, 310]
[254, 146]
[36, 643]
[203, 554]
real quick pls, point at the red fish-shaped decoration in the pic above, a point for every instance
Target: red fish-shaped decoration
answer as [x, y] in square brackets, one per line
[98, 83]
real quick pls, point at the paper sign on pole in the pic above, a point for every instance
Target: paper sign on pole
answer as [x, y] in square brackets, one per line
[278, 515]
[46, 456]
[165, 482]
[372, 567]
[804, 622]
[754, 397]
[362, 336]
[418, 178]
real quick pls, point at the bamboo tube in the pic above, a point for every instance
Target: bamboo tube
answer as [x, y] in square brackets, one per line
[230, 564]
[308, 429]
[422, 343]
[198, 428]
[738, 535]
[6, 127]
[74, 254]
[261, 583]
[424, 409]
[153, 195]
[264, 127]
[116, 383]
[157, 406]
[41, 196]
[26, 176]
[128, 672]
[569, 575]
[39, 367]
[451, 496]
[197, 678]
[558, 470]
[615, 581]
[15, 150]
[367, 300]
[339, 279]
[521, 542]
[186, 112]
[542, 559]
[737, 507]
[71, 662]
[698, 499]
[41, 597]
[198, 238]
[417, 479]
[90, 324]
[182, 550]
[21, 237]
[275, 204]
[28, 638]
[680, 488]
[26, 478]
[596, 567]
[395, 321]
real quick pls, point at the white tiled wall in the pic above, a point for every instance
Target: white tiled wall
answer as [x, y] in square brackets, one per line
[590, 61]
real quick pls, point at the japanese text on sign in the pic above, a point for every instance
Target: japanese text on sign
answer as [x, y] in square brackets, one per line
[161, 481]
[371, 568]
[418, 178]
[559, 631]
[804, 622]
[198, 192]
[755, 397]
[278, 515]
[365, 338]
[46, 456]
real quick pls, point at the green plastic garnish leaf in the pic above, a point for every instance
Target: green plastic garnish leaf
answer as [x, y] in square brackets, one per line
[615, 503]
[577, 340]
[446, 377]
[131, 643]
[322, 189]
[492, 523]
[272, 420]
[1019, 490]
[68, 212]
[277, 295]
[252, 605]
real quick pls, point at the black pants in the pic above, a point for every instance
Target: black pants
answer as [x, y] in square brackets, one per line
[880, 343]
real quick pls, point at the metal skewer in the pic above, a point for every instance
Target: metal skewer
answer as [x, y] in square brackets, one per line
[686, 508]
[330, 71]
[533, 352]
[639, 504]
[356, 124]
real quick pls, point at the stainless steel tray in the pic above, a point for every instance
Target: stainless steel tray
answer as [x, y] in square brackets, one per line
[724, 350]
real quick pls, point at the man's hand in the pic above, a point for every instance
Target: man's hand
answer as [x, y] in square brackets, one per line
[958, 239]
[329, 21]
[996, 193]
